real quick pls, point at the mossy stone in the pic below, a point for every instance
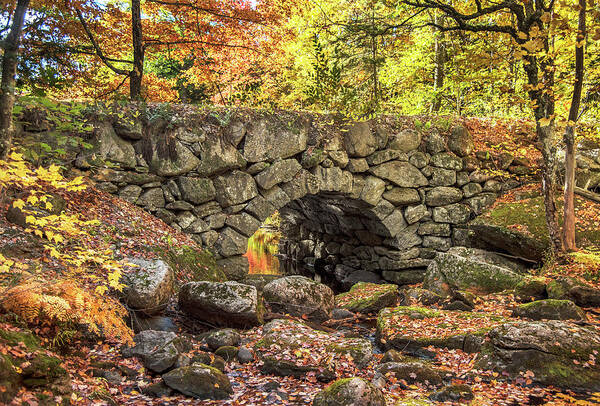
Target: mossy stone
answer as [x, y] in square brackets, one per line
[366, 297]
[349, 392]
[227, 352]
[550, 309]
[531, 288]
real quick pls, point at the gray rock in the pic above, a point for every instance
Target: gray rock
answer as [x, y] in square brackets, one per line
[407, 276]
[196, 190]
[339, 158]
[200, 381]
[179, 163]
[442, 196]
[235, 188]
[198, 226]
[149, 287]
[557, 352]
[357, 165]
[471, 189]
[550, 309]
[442, 177]
[243, 223]
[419, 159]
[406, 140]
[280, 171]
[130, 193]
[218, 156]
[269, 139]
[413, 214]
[412, 371]
[432, 228]
[107, 145]
[179, 205]
[435, 143]
[460, 141]
[298, 296]
[453, 393]
[350, 392]
[257, 167]
[231, 243]
[380, 157]
[333, 180]
[158, 350]
[235, 268]
[402, 174]
[372, 190]
[402, 196]
[359, 141]
[437, 243]
[220, 338]
[245, 355]
[152, 199]
[447, 160]
[467, 268]
[454, 214]
[480, 202]
[222, 303]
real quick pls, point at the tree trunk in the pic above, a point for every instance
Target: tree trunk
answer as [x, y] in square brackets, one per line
[135, 77]
[568, 231]
[545, 135]
[438, 72]
[9, 70]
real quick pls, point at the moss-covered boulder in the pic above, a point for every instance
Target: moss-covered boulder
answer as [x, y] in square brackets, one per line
[366, 297]
[558, 353]
[411, 372]
[291, 348]
[350, 392]
[36, 369]
[531, 288]
[550, 309]
[299, 296]
[228, 304]
[227, 352]
[493, 229]
[411, 329]
[567, 287]
[209, 359]
[464, 268]
[200, 381]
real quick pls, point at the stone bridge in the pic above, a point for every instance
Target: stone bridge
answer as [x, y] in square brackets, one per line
[364, 200]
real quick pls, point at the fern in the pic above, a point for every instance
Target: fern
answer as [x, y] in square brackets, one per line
[65, 302]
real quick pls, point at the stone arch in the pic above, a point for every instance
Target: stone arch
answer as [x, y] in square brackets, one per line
[414, 190]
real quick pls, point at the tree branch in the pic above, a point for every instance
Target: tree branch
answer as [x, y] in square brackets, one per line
[107, 61]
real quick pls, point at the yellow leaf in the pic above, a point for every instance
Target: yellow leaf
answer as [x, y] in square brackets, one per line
[19, 204]
[49, 206]
[522, 35]
[544, 122]
[30, 220]
[32, 199]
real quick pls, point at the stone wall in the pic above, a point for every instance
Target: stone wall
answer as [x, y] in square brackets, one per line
[370, 199]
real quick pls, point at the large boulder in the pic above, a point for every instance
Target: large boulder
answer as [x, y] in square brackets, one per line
[558, 353]
[200, 381]
[218, 156]
[149, 287]
[366, 297]
[299, 296]
[411, 329]
[461, 141]
[464, 268]
[272, 138]
[226, 304]
[279, 172]
[108, 146]
[291, 348]
[550, 309]
[567, 287]
[158, 350]
[485, 235]
[350, 392]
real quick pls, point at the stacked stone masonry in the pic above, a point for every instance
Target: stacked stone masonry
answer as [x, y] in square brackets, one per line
[376, 198]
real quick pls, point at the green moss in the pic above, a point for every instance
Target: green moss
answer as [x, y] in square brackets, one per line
[13, 338]
[528, 212]
[548, 302]
[366, 297]
[191, 264]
